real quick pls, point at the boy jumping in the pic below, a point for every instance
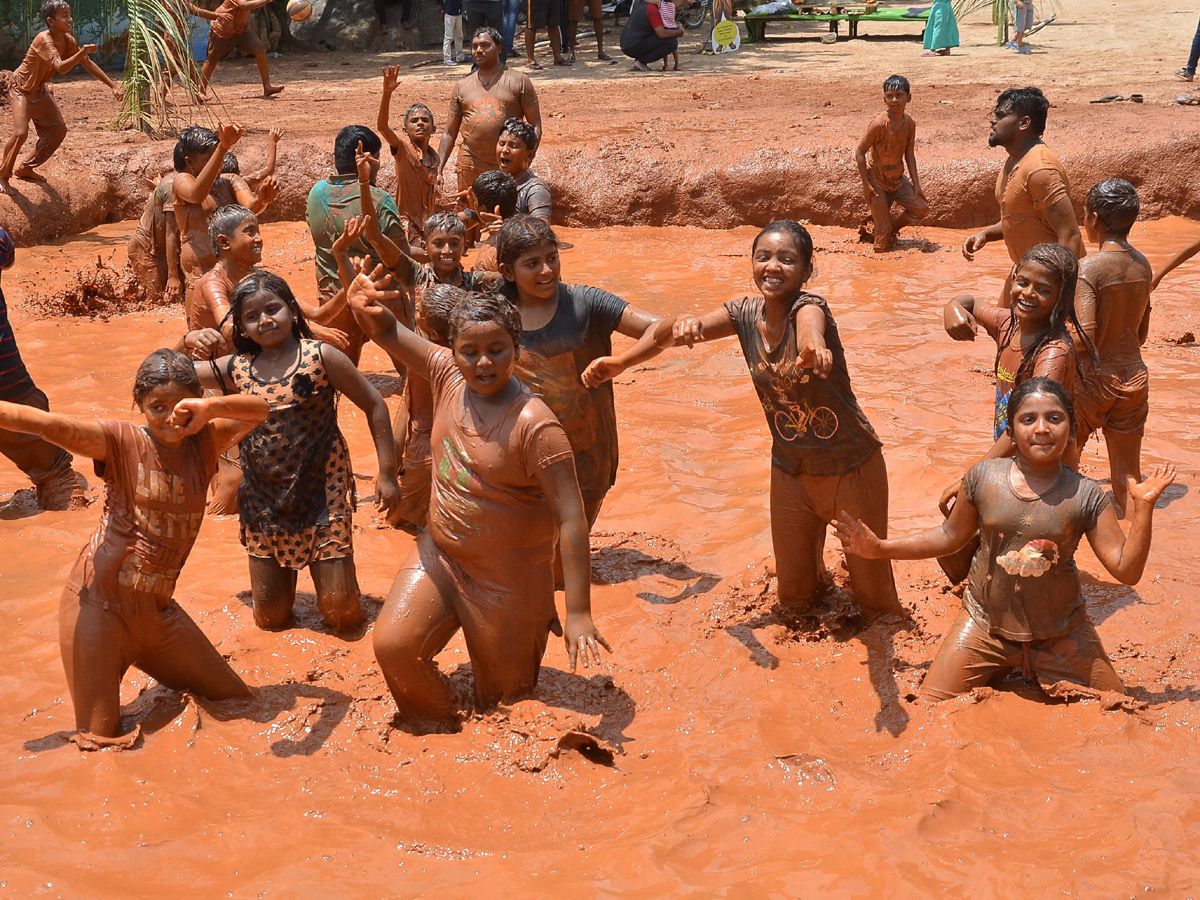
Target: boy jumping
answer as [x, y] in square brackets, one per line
[889, 139]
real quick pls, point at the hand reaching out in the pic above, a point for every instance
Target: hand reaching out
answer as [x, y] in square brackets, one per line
[275, 135]
[857, 539]
[1147, 492]
[688, 329]
[959, 323]
[819, 360]
[229, 134]
[973, 245]
[391, 78]
[601, 370]
[355, 228]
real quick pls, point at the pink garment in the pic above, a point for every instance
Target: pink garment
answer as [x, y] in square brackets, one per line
[667, 10]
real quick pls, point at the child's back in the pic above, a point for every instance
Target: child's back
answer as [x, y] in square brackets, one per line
[1113, 296]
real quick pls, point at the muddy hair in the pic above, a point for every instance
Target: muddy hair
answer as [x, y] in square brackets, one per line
[478, 308]
[494, 34]
[438, 302]
[230, 164]
[345, 145]
[1062, 262]
[262, 282]
[1039, 385]
[521, 129]
[1026, 101]
[447, 222]
[197, 140]
[519, 235]
[163, 367]
[797, 232]
[897, 83]
[408, 113]
[496, 189]
[51, 8]
[225, 221]
[178, 160]
[1116, 204]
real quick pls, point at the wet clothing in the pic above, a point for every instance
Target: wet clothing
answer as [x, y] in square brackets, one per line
[200, 313]
[886, 164]
[484, 111]
[416, 473]
[491, 532]
[220, 47]
[533, 196]
[38, 66]
[1025, 190]
[552, 361]
[147, 248]
[296, 499]
[416, 184]
[330, 204]
[817, 427]
[1018, 590]
[15, 382]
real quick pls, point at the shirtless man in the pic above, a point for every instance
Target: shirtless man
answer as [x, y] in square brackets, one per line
[1032, 190]
[482, 102]
[1113, 304]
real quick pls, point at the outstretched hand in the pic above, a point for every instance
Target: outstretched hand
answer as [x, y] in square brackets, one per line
[820, 360]
[1147, 492]
[391, 78]
[275, 134]
[368, 291]
[268, 189]
[228, 135]
[959, 323]
[583, 640]
[973, 245]
[362, 162]
[606, 368]
[356, 227]
[857, 539]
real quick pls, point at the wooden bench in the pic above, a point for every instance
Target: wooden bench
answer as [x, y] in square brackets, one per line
[756, 26]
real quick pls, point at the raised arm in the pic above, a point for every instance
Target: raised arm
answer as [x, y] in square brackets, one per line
[82, 437]
[201, 12]
[404, 346]
[561, 487]
[1125, 557]
[1175, 261]
[391, 80]
[194, 190]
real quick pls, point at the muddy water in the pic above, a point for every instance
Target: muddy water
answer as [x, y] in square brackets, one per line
[753, 758]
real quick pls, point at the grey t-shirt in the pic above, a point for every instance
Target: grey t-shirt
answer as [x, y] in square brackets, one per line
[533, 196]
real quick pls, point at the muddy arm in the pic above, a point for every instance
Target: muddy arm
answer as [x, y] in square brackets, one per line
[82, 437]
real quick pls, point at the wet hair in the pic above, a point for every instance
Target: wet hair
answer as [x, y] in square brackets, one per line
[51, 8]
[345, 145]
[798, 233]
[478, 308]
[408, 113]
[521, 234]
[1116, 204]
[230, 164]
[519, 128]
[1061, 262]
[496, 189]
[178, 160]
[897, 83]
[196, 140]
[253, 284]
[1039, 385]
[164, 367]
[1026, 101]
[491, 32]
[447, 222]
[437, 306]
[225, 221]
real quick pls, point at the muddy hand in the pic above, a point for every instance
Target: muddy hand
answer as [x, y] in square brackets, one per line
[275, 134]
[857, 539]
[1151, 489]
[391, 78]
[229, 134]
[362, 162]
[973, 245]
[206, 342]
[189, 415]
[820, 361]
[583, 641]
[601, 370]
[355, 227]
[959, 323]
[949, 497]
[334, 337]
[387, 493]
[369, 289]
[687, 330]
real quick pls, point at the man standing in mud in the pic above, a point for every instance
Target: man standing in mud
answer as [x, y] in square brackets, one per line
[1033, 191]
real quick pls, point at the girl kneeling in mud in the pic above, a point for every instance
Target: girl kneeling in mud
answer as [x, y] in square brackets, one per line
[118, 609]
[1023, 605]
[503, 484]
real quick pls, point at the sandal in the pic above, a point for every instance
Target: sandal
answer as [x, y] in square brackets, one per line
[533, 66]
[604, 57]
[563, 62]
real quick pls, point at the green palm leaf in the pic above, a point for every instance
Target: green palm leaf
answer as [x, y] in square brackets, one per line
[1002, 12]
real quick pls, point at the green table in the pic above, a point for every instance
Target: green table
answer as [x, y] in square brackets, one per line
[756, 26]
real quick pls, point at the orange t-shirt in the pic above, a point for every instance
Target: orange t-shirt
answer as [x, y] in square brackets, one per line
[416, 181]
[231, 21]
[38, 67]
[1025, 191]
[887, 153]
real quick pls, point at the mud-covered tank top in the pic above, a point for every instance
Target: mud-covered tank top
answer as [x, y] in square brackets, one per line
[816, 425]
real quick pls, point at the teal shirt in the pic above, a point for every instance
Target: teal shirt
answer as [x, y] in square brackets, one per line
[330, 204]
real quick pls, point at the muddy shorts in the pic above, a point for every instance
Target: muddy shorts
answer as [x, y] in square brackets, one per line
[969, 657]
[905, 195]
[416, 484]
[221, 47]
[542, 13]
[575, 10]
[1115, 404]
[40, 107]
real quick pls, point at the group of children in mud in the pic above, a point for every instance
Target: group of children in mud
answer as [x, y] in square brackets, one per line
[507, 442]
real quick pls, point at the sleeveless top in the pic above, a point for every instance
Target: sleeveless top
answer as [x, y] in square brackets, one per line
[816, 425]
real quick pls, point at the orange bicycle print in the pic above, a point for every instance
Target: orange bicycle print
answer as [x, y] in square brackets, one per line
[793, 423]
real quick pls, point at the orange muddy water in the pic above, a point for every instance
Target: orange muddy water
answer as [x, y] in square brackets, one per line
[753, 756]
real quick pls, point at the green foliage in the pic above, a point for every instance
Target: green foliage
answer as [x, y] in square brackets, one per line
[1002, 12]
[159, 57]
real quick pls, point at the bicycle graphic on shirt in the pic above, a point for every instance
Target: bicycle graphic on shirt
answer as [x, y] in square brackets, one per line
[795, 422]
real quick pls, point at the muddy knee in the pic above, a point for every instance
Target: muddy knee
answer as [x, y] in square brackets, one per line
[272, 612]
[342, 609]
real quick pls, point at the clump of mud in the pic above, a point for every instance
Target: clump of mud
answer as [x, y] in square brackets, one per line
[96, 291]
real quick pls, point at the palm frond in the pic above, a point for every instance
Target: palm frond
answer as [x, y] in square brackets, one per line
[1002, 12]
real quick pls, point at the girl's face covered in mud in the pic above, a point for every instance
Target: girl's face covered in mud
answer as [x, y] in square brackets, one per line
[780, 270]
[1035, 291]
[536, 272]
[157, 406]
[267, 320]
[486, 356]
[1041, 428]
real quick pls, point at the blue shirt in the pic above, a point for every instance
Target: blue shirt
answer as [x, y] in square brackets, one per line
[15, 383]
[330, 203]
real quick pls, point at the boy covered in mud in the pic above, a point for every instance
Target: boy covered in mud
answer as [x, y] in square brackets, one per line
[1112, 301]
[515, 150]
[416, 162]
[53, 52]
[231, 31]
[203, 154]
[153, 249]
[889, 141]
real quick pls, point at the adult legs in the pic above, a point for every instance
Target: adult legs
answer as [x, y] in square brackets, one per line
[967, 658]
[93, 643]
[1194, 56]
[338, 596]
[273, 588]
[46, 465]
[179, 656]
[264, 72]
[512, 11]
[413, 627]
[650, 50]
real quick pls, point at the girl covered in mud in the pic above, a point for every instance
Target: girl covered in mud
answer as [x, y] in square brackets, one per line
[503, 485]
[825, 455]
[118, 609]
[1023, 606]
[296, 498]
[566, 348]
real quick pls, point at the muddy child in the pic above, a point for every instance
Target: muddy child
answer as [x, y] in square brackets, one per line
[231, 31]
[203, 155]
[492, 201]
[153, 248]
[515, 150]
[119, 609]
[504, 484]
[1113, 306]
[53, 52]
[416, 161]
[297, 492]
[1023, 605]
[889, 140]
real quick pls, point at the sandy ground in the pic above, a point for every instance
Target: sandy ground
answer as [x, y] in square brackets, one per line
[752, 755]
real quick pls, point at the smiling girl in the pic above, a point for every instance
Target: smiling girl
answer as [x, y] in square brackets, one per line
[504, 486]
[1023, 606]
